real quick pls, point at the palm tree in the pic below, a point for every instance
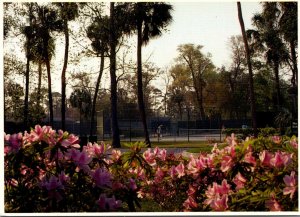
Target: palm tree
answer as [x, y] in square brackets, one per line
[68, 12]
[267, 38]
[252, 97]
[148, 19]
[48, 22]
[28, 31]
[99, 35]
[113, 80]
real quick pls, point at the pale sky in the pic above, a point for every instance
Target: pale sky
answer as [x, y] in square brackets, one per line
[210, 24]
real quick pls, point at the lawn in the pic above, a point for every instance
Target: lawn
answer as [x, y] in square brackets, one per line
[192, 146]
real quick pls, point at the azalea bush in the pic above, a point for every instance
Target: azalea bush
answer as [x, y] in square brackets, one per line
[48, 171]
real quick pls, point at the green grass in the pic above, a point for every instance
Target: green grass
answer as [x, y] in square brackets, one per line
[193, 146]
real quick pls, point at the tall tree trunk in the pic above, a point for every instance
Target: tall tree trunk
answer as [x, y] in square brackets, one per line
[96, 94]
[140, 84]
[251, 86]
[277, 83]
[294, 62]
[113, 81]
[63, 77]
[49, 87]
[26, 99]
[26, 110]
[39, 82]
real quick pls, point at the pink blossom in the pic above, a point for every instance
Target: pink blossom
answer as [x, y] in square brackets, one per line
[265, 158]
[162, 154]
[139, 172]
[116, 154]
[192, 190]
[220, 203]
[290, 183]
[132, 184]
[231, 140]
[63, 178]
[240, 181]
[108, 204]
[190, 203]
[81, 159]
[281, 159]
[173, 172]
[272, 204]
[276, 139]
[72, 141]
[227, 163]
[294, 142]
[102, 177]
[216, 189]
[180, 170]
[149, 157]
[15, 142]
[159, 175]
[250, 159]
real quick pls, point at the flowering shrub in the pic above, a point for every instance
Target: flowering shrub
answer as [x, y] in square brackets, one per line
[47, 171]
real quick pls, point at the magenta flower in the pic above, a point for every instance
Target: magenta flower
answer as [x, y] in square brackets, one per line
[116, 154]
[220, 203]
[102, 177]
[180, 170]
[149, 157]
[290, 183]
[159, 175]
[272, 204]
[63, 178]
[72, 141]
[173, 172]
[227, 163]
[108, 204]
[265, 158]
[294, 142]
[52, 184]
[276, 139]
[132, 184]
[250, 159]
[82, 160]
[240, 181]
[14, 142]
[190, 203]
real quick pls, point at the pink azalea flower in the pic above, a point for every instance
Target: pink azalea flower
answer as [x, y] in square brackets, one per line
[265, 158]
[290, 183]
[132, 184]
[180, 170]
[272, 204]
[173, 172]
[52, 184]
[82, 160]
[72, 141]
[250, 159]
[190, 203]
[240, 181]
[102, 177]
[108, 204]
[159, 175]
[162, 154]
[276, 139]
[220, 203]
[281, 159]
[294, 143]
[15, 142]
[116, 154]
[63, 178]
[192, 190]
[231, 140]
[227, 163]
[149, 157]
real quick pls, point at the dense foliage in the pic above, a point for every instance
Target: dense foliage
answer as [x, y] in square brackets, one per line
[47, 171]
